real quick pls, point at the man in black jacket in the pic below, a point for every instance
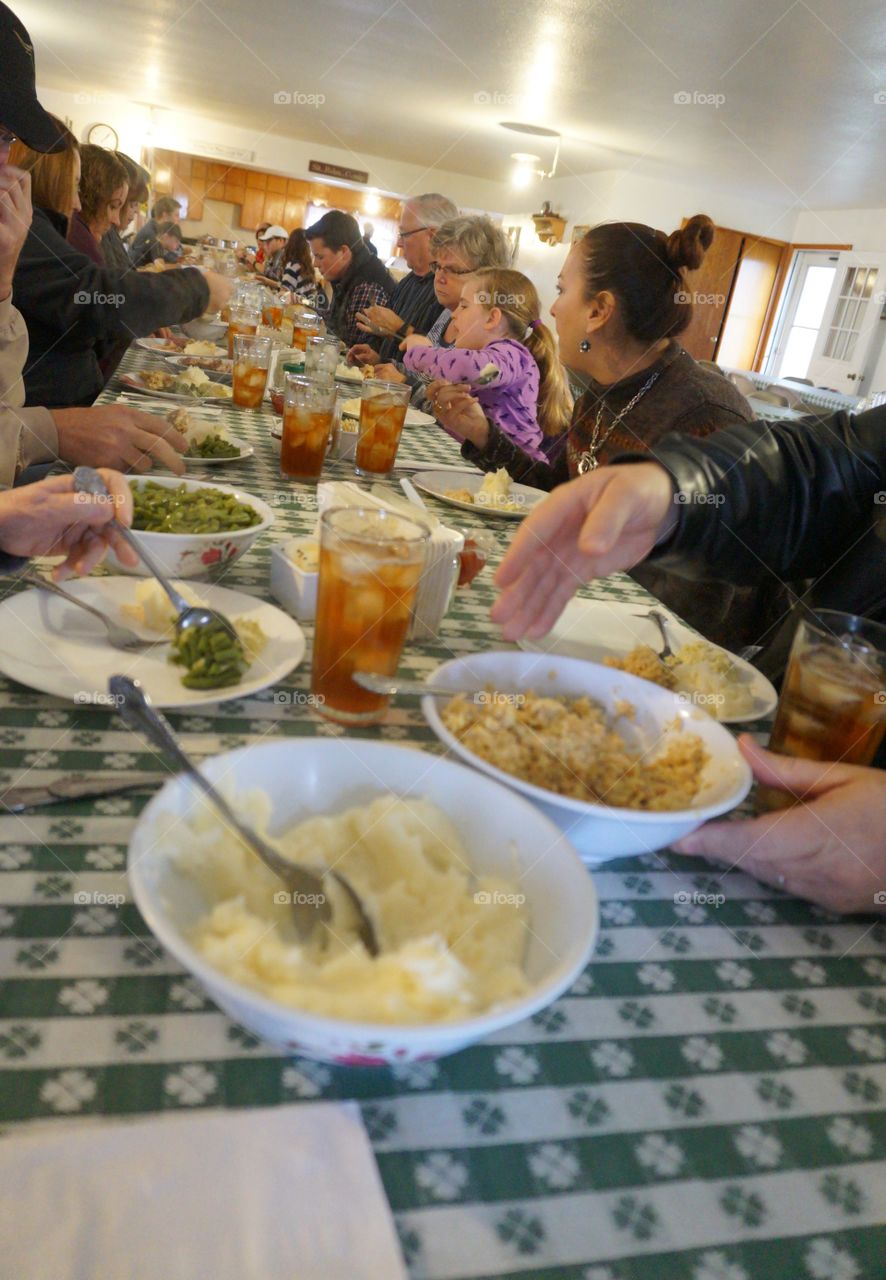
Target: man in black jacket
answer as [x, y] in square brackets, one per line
[807, 499]
[358, 279]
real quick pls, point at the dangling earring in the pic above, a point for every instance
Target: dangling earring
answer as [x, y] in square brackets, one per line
[584, 345]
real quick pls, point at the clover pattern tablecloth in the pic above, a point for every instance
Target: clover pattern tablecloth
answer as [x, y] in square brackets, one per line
[706, 1103]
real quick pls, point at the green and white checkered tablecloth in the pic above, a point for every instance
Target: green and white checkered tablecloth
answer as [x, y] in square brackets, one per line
[706, 1103]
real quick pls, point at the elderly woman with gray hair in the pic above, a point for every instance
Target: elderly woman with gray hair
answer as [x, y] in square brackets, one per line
[459, 247]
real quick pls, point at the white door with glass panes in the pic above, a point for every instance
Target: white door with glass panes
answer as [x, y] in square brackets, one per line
[850, 323]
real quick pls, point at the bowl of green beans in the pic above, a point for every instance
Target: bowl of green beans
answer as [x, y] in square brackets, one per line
[194, 529]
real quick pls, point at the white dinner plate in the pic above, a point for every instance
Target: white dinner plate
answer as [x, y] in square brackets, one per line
[55, 647]
[158, 346]
[134, 383]
[414, 417]
[437, 482]
[598, 629]
[217, 375]
[246, 451]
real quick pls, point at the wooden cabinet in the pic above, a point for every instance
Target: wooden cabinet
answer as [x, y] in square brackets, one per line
[262, 197]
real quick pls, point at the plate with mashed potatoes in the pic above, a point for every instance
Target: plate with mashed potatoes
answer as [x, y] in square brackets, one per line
[702, 674]
[494, 494]
[482, 911]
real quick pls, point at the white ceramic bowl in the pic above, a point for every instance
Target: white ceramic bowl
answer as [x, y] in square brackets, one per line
[598, 831]
[196, 555]
[497, 826]
[205, 328]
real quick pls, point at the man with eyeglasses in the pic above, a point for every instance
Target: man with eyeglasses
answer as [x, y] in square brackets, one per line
[414, 305]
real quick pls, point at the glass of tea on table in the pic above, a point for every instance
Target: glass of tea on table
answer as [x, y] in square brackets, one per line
[243, 320]
[251, 357]
[308, 420]
[304, 326]
[833, 699]
[322, 355]
[383, 408]
[370, 564]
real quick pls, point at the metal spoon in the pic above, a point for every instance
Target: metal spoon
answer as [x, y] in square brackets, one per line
[310, 905]
[661, 622]
[88, 480]
[118, 636]
[390, 686]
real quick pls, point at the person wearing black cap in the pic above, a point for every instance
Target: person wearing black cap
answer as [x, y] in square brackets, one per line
[110, 435]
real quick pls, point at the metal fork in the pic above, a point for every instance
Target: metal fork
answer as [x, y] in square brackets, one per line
[118, 636]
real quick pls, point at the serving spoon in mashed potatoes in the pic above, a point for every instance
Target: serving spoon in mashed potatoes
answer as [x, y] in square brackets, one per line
[306, 889]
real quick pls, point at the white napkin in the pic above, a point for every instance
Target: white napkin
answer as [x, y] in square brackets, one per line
[283, 1193]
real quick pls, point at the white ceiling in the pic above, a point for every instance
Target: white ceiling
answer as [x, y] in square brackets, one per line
[426, 81]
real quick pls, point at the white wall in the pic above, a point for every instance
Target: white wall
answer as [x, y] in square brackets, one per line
[862, 228]
[139, 126]
[623, 195]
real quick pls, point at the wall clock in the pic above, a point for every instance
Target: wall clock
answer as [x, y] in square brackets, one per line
[103, 135]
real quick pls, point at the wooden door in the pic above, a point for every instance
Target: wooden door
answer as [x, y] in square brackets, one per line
[710, 288]
[752, 292]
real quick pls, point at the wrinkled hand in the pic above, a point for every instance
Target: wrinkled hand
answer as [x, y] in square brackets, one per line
[606, 520]
[389, 373]
[113, 435]
[362, 353]
[458, 412]
[48, 519]
[15, 220]
[829, 848]
[380, 318]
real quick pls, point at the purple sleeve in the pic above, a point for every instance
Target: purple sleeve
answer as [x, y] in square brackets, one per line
[455, 364]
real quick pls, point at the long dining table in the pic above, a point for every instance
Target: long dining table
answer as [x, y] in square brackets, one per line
[705, 1103]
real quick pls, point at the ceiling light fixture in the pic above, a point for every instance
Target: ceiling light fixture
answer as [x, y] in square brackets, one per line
[535, 131]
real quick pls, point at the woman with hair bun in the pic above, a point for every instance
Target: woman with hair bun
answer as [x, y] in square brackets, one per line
[622, 303]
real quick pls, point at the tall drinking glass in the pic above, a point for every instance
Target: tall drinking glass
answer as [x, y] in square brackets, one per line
[304, 326]
[243, 320]
[833, 699]
[383, 408]
[308, 418]
[370, 564]
[251, 357]
[321, 355]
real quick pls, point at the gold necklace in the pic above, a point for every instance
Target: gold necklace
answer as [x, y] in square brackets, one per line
[588, 460]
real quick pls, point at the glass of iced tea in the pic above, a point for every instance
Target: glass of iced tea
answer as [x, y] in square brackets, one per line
[308, 419]
[272, 315]
[321, 355]
[304, 326]
[833, 699]
[370, 564]
[251, 358]
[243, 320]
[383, 408]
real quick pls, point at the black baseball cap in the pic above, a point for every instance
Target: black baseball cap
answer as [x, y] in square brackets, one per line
[20, 111]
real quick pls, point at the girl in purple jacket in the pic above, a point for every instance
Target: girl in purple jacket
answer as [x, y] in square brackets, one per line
[506, 356]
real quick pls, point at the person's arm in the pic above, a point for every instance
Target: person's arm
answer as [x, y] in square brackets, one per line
[63, 290]
[456, 364]
[819, 485]
[27, 436]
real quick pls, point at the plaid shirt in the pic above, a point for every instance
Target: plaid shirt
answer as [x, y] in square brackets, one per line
[361, 297]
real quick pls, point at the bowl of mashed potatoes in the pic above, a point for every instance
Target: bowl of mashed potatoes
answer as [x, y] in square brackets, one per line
[482, 909]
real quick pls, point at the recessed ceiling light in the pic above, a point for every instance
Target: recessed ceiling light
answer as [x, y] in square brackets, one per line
[535, 129]
[525, 157]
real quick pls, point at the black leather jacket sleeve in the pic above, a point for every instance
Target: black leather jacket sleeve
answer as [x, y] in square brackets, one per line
[793, 496]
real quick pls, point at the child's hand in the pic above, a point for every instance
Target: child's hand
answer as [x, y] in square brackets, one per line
[415, 340]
